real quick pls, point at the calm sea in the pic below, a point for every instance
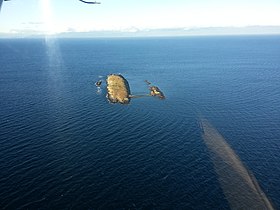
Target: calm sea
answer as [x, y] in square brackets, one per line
[63, 146]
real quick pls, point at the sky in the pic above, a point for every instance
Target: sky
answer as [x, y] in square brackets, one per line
[57, 16]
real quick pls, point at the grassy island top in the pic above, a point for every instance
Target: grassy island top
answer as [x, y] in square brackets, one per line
[118, 89]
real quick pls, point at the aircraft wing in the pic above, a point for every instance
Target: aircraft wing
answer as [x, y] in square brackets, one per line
[87, 2]
[90, 2]
[1, 1]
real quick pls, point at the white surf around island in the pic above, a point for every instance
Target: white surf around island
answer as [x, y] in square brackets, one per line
[239, 185]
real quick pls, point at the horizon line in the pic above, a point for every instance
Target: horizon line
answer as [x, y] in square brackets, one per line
[160, 32]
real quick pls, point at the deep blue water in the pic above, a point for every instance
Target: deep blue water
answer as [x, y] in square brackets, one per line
[63, 146]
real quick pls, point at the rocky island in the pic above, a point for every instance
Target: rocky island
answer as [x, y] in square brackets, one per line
[118, 90]
[155, 91]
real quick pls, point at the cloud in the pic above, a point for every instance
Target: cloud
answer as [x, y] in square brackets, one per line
[72, 32]
[22, 33]
[32, 23]
[130, 30]
[195, 31]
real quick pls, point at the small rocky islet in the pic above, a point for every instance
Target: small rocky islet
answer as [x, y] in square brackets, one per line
[118, 90]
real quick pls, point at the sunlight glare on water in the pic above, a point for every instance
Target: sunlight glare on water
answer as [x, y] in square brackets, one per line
[55, 61]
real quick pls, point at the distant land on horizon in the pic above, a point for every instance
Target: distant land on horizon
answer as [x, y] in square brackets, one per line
[164, 32]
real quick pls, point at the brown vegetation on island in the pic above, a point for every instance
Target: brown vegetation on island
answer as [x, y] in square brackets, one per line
[118, 89]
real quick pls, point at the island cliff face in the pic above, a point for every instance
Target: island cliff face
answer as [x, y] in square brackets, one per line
[118, 90]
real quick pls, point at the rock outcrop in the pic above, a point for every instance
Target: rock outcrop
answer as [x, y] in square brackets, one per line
[118, 90]
[155, 91]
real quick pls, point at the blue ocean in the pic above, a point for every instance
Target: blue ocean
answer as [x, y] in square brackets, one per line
[64, 146]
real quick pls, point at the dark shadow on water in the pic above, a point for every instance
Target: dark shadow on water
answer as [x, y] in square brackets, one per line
[239, 185]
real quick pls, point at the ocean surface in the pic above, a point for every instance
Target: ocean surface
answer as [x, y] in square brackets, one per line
[63, 146]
